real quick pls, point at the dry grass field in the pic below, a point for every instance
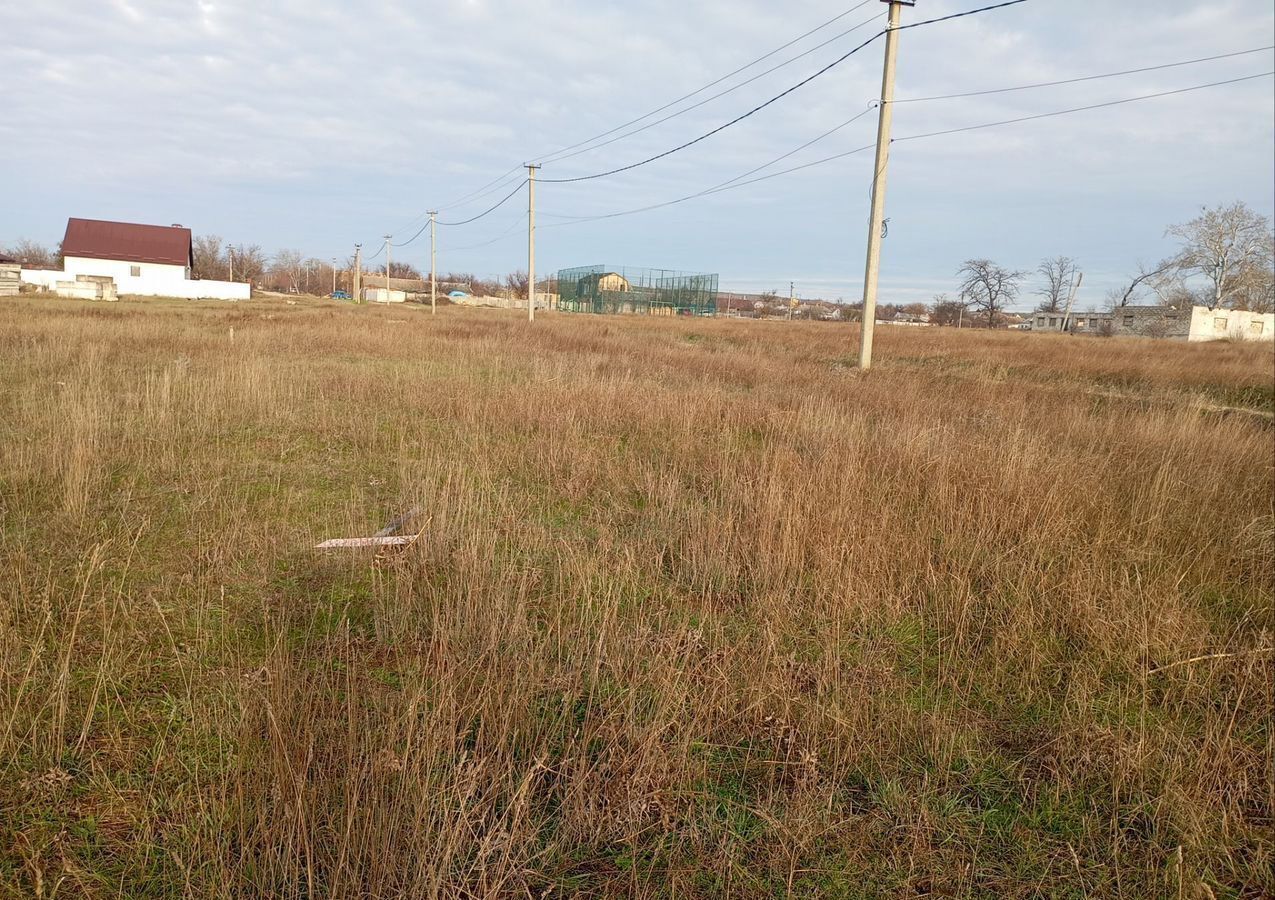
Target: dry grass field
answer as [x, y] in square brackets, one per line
[696, 610]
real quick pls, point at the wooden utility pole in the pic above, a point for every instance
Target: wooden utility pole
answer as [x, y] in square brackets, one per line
[875, 227]
[531, 241]
[433, 263]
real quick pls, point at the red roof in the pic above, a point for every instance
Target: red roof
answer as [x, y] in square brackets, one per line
[123, 240]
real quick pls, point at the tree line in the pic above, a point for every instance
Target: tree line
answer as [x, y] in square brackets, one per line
[1225, 259]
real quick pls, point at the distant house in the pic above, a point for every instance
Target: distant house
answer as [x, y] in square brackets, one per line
[142, 260]
[600, 282]
[1199, 323]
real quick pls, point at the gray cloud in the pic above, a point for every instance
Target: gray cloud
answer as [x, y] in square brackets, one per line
[319, 123]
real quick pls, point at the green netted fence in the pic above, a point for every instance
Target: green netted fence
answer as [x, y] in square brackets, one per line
[617, 289]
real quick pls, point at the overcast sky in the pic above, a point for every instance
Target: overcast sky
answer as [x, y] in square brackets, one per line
[313, 124]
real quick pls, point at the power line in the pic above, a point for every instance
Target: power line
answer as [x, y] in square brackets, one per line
[719, 128]
[734, 183]
[1041, 84]
[961, 15]
[714, 83]
[1075, 109]
[725, 185]
[466, 222]
[504, 235]
[478, 192]
[559, 158]
[415, 236]
[556, 155]
[494, 185]
[777, 97]
[489, 210]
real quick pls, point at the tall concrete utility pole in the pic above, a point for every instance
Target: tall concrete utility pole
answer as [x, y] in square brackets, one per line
[387, 267]
[433, 263]
[792, 286]
[334, 274]
[531, 241]
[1071, 298]
[885, 120]
[356, 277]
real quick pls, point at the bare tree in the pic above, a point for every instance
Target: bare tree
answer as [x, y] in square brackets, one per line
[1228, 247]
[1255, 289]
[516, 283]
[404, 270]
[317, 274]
[1145, 276]
[946, 311]
[988, 287]
[1059, 272]
[32, 254]
[209, 261]
[248, 262]
[285, 270]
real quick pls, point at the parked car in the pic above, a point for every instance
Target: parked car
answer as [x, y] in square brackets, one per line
[339, 295]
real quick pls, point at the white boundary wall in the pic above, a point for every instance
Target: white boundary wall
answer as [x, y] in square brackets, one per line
[381, 295]
[154, 280]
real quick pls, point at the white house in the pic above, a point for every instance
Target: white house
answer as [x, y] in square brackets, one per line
[142, 260]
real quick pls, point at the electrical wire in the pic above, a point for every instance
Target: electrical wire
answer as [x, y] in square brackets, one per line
[719, 94]
[912, 137]
[489, 210]
[479, 192]
[1075, 109]
[504, 235]
[756, 109]
[719, 128]
[725, 184]
[1041, 84]
[716, 190]
[547, 156]
[466, 221]
[556, 155]
[413, 237]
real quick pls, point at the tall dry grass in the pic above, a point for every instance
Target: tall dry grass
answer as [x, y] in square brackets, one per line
[696, 610]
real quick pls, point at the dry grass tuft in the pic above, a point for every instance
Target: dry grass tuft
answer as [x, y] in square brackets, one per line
[696, 610]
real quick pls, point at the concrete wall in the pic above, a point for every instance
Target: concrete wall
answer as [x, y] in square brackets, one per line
[155, 281]
[1195, 324]
[543, 301]
[87, 287]
[10, 279]
[1230, 324]
[381, 295]
[1151, 321]
[1088, 322]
